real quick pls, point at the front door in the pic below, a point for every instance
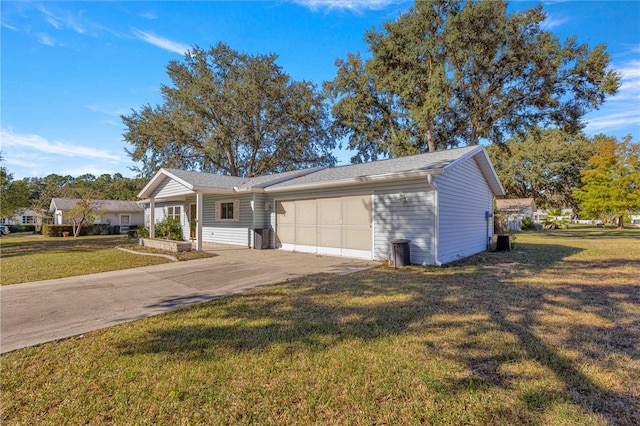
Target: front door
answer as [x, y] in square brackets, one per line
[125, 222]
[192, 221]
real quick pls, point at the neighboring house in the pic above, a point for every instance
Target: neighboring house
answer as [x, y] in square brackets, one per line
[635, 219]
[516, 210]
[114, 212]
[24, 217]
[441, 201]
[541, 215]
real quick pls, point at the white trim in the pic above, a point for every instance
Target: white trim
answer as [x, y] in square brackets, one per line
[436, 221]
[199, 219]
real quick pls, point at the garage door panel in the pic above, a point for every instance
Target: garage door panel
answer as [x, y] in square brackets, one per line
[335, 226]
[285, 212]
[356, 238]
[306, 235]
[286, 234]
[306, 212]
[330, 236]
[329, 211]
[356, 210]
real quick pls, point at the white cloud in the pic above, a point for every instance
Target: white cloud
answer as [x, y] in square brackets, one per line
[552, 22]
[353, 5]
[614, 120]
[107, 111]
[149, 15]
[10, 27]
[59, 21]
[45, 39]
[31, 142]
[161, 42]
[630, 81]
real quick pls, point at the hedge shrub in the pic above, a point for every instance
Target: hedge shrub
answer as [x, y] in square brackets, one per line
[57, 230]
[22, 228]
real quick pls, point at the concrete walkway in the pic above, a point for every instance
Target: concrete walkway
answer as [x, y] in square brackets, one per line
[43, 311]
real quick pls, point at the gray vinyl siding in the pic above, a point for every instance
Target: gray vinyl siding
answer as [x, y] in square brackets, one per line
[170, 188]
[464, 198]
[261, 215]
[413, 220]
[114, 218]
[235, 233]
[391, 218]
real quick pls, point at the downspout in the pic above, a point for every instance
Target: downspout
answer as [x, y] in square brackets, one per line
[436, 220]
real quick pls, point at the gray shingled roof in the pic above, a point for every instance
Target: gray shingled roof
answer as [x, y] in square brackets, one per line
[210, 180]
[207, 180]
[109, 206]
[428, 161]
[434, 161]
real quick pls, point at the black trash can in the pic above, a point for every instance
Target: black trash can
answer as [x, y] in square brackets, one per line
[261, 239]
[400, 252]
[503, 243]
[110, 230]
[116, 229]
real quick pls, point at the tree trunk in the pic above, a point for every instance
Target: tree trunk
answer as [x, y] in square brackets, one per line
[430, 142]
[473, 139]
[620, 222]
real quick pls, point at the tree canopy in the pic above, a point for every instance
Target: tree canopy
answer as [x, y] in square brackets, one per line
[611, 184]
[40, 191]
[14, 194]
[448, 73]
[231, 113]
[544, 165]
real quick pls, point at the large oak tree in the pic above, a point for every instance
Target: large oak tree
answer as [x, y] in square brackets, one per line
[231, 113]
[448, 73]
[544, 165]
[611, 183]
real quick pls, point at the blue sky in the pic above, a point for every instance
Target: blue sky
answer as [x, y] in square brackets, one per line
[70, 69]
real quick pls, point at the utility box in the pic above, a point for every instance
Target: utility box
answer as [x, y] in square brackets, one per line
[261, 239]
[400, 252]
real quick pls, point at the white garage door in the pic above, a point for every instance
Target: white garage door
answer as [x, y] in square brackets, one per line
[339, 226]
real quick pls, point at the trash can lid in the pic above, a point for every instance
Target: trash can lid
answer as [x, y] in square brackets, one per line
[400, 241]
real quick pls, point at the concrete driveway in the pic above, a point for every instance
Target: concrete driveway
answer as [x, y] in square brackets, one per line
[43, 311]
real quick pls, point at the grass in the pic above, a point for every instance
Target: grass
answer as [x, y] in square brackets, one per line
[548, 333]
[36, 258]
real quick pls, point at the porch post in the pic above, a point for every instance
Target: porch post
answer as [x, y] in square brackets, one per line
[199, 207]
[152, 218]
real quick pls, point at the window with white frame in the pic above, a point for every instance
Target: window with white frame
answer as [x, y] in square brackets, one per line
[175, 212]
[228, 210]
[28, 220]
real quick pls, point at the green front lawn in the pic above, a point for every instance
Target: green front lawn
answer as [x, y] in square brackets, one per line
[36, 258]
[546, 334]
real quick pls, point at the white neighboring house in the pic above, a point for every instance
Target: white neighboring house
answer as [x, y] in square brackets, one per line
[442, 202]
[122, 214]
[635, 219]
[24, 217]
[516, 210]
